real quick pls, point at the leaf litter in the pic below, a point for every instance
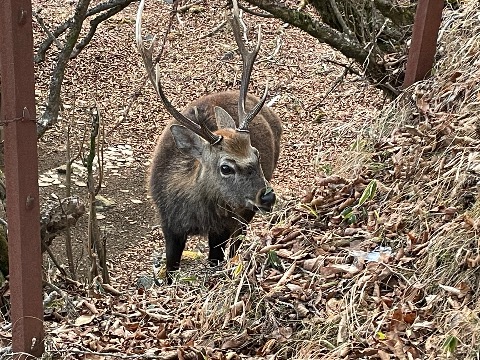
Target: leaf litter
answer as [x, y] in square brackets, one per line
[378, 259]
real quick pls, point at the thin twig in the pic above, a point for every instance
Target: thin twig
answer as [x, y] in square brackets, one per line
[214, 30]
[60, 29]
[99, 150]
[93, 27]
[337, 82]
[255, 13]
[346, 66]
[52, 256]
[184, 8]
[68, 187]
[339, 17]
[46, 29]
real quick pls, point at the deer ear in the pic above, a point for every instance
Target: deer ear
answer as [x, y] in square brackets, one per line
[187, 141]
[224, 120]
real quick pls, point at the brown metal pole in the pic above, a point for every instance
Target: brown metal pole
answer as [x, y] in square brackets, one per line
[21, 173]
[424, 40]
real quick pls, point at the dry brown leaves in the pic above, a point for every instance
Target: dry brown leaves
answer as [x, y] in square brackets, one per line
[378, 259]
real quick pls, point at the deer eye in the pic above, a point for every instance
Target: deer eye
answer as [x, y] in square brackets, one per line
[226, 170]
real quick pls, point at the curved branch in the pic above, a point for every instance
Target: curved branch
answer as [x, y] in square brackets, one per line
[347, 45]
[339, 17]
[255, 13]
[60, 29]
[40, 22]
[50, 114]
[94, 24]
[45, 45]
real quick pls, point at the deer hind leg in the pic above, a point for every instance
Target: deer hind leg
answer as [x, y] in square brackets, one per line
[174, 246]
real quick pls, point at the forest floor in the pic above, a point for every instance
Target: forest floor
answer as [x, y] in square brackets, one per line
[321, 113]
[331, 272]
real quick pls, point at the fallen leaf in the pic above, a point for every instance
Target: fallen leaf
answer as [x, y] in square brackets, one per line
[84, 319]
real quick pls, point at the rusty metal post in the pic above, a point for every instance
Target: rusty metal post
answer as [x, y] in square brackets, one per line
[424, 40]
[21, 173]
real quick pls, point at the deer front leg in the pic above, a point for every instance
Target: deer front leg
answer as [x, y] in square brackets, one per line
[174, 246]
[217, 243]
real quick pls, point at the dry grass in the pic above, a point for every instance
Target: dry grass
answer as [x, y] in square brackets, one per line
[378, 260]
[427, 143]
[420, 298]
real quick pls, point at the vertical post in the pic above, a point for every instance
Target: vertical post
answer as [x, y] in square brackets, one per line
[21, 174]
[424, 40]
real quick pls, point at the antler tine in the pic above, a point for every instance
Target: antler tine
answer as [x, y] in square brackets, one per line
[146, 53]
[154, 76]
[248, 59]
[256, 109]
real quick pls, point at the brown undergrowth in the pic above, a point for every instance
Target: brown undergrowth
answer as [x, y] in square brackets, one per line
[378, 260]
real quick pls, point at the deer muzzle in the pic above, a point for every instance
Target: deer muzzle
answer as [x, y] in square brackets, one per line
[266, 199]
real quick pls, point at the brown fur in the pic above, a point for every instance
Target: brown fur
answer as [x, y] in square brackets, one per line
[185, 189]
[236, 145]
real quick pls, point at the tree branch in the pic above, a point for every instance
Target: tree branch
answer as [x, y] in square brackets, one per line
[46, 29]
[255, 13]
[71, 49]
[400, 15]
[45, 45]
[339, 17]
[94, 24]
[50, 114]
[369, 58]
[60, 29]
[347, 45]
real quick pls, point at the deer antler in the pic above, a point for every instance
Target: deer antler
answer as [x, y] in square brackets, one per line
[248, 58]
[154, 76]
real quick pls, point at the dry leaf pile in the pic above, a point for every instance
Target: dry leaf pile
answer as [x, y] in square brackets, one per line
[378, 260]
[391, 240]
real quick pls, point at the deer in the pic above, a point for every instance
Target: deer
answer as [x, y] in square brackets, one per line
[212, 165]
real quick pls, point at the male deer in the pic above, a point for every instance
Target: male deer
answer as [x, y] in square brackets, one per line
[211, 166]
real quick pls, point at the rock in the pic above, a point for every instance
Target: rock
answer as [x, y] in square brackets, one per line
[103, 204]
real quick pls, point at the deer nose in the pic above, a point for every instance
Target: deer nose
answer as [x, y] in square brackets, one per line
[267, 199]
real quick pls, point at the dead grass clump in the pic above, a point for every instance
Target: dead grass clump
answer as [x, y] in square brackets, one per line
[396, 226]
